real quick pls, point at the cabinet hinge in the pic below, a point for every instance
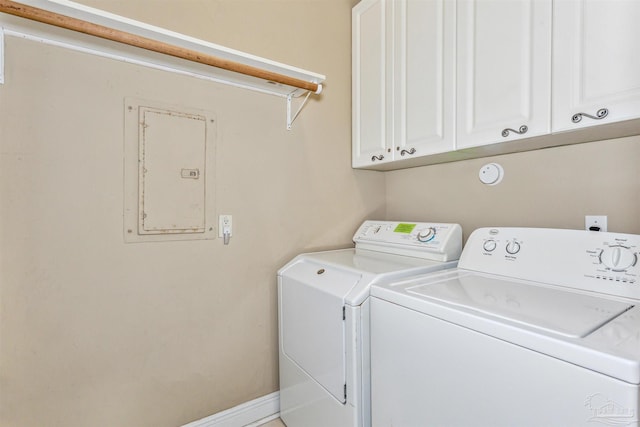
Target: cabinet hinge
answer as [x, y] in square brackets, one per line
[344, 312]
[345, 392]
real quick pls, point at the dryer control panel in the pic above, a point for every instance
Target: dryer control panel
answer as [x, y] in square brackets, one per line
[435, 241]
[594, 261]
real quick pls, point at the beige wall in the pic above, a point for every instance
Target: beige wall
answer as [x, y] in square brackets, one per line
[98, 332]
[554, 187]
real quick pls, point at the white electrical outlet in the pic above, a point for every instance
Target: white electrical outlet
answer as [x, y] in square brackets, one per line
[595, 222]
[225, 225]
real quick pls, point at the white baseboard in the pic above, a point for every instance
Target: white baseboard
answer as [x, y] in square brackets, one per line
[248, 414]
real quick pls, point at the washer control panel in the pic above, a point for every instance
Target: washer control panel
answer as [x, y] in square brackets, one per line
[437, 241]
[616, 261]
[618, 258]
[512, 247]
[596, 261]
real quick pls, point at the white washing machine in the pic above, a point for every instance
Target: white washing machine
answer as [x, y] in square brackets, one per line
[535, 327]
[323, 309]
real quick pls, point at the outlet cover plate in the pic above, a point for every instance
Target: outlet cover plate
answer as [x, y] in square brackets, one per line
[225, 221]
[599, 221]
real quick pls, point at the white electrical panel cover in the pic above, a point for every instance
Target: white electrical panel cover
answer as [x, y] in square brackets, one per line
[169, 172]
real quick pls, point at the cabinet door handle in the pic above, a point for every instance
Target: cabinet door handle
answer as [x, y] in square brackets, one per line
[523, 129]
[374, 158]
[600, 114]
[411, 151]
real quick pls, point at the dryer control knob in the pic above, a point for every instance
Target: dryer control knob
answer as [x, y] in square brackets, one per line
[513, 247]
[618, 258]
[427, 235]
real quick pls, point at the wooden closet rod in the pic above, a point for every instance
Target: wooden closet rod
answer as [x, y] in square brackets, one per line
[74, 24]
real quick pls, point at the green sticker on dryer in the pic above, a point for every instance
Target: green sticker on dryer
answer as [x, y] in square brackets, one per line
[404, 228]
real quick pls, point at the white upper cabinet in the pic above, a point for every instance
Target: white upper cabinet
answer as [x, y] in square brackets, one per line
[370, 132]
[503, 70]
[443, 80]
[403, 79]
[596, 75]
[423, 77]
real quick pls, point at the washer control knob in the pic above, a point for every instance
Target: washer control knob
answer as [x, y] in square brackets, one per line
[618, 258]
[513, 247]
[427, 235]
[489, 245]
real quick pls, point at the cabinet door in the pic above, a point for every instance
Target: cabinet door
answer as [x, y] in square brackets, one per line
[504, 70]
[369, 88]
[596, 68]
[424, 77]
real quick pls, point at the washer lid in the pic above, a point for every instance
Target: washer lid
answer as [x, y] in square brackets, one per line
[554, 310]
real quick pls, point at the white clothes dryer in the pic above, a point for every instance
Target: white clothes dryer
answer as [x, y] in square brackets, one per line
[535, 327]
[323, 309]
